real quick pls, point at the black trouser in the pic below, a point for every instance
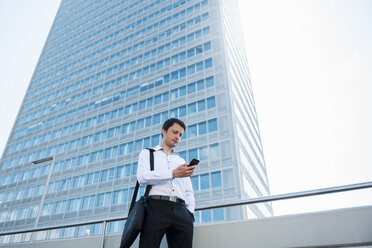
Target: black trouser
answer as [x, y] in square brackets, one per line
[170, 218]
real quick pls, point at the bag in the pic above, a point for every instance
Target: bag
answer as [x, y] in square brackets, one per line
[137, 212]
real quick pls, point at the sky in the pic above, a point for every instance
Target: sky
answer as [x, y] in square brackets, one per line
[310, 65]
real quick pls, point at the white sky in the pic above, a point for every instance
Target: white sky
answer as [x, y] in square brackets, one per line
[310, 63]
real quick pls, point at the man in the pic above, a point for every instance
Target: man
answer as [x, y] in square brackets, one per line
[171, 199]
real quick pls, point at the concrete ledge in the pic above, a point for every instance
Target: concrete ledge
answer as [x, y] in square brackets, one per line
[349, 227]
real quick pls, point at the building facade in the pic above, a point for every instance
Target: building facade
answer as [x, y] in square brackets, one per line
[111, 72]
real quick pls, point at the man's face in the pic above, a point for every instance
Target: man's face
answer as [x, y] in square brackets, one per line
[172, 137]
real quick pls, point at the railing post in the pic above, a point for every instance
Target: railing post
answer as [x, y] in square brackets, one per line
[103, 234]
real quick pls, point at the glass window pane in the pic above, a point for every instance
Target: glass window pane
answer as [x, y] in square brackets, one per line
[201, 105]
[211, 102]
[216, 179]
[218, 214]
[192, 108]
[202, 128]
[206, 216]
[191, 88]
[182, 111]
[193, 153]
[204, 181]
[195, 183]
[212, 125]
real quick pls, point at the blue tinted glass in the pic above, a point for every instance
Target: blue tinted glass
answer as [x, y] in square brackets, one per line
[202, 128]
[199, 66]
[195, 182]
[143, 104]
[193, 153]
[134, 168]
[174, 94]
[157, 99]
[208, 63]
[207, 46]
[156, 119]
[200, 84]
[212, 125]
[148, 121]
[155, 140]
[174, 113]
[146, 142]
[175, 75]
[182, 111]
[192, 108]
[191, 88]
[204, 181]
[211, 102]
[218, 214]
[201, 105]
[192, 131]
[197, 216]
[182, 72]
[165, 97]
[164, 116]
[100, 199]
[149, 102]
[166, 78]
[203, 153]
[206, 216]
[138, 145]
[183, 155]
[216, 179]
[183, 91]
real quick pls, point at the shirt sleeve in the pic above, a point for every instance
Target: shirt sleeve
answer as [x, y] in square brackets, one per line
[189, 192]
[144, 173]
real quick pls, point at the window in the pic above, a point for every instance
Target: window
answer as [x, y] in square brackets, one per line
[191, 88]
[202, 128]
[182, 111]
[200, 84]
[208, 63]
[206, 215]
[183, 155]
[211, 102]
[201, 105]
[195, 182]
[142, 104]
[193, 153]
[174, 94]
[192, 131]
[157, 99]
[100, 200]
[192, 108]
[218, 214]
[216, 179]
[204, 181]
[212, 125]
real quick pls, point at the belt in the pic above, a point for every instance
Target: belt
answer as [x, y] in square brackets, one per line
[167, 198]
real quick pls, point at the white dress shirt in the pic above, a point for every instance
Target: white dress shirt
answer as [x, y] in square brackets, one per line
[161, 178]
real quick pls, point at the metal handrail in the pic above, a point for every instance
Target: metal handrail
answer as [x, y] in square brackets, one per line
[287, 196]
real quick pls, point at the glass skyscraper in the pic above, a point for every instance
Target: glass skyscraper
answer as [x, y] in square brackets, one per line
[111, 72]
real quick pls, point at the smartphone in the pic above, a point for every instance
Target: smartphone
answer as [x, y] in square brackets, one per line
[194, 161]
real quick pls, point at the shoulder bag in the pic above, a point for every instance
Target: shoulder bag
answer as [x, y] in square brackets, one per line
[137, 212]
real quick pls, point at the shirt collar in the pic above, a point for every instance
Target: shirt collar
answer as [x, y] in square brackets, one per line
[159, 148]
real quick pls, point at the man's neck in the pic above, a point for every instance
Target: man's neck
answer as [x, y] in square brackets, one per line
[166, 148]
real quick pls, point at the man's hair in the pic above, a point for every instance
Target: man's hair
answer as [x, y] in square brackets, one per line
[168, 123]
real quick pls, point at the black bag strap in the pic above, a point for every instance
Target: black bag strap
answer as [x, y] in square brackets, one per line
[148, 187]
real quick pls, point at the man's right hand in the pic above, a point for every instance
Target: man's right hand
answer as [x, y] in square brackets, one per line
[183, 170]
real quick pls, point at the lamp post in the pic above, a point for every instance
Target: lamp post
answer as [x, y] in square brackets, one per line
[39, 161]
